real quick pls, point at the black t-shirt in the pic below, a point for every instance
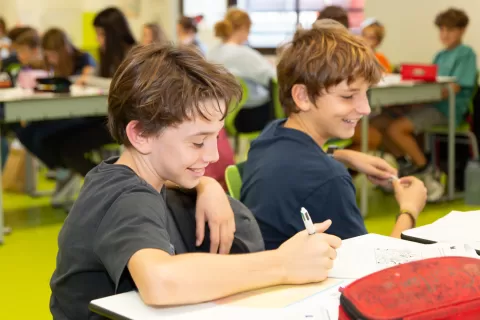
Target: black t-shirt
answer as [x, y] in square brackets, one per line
[116, 214]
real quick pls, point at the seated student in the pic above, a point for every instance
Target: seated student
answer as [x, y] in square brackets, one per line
[335, 13]
[63, 59]
[11, 64]
[5, 41]
[29, 54]
[120, 236]
[152, 32]
[373, 32]
[248, 64]
[456, 59]
[115, 40]
[287, 169]
[187, 29]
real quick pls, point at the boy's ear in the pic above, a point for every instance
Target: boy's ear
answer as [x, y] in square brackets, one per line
[136, 137]
[300, 97]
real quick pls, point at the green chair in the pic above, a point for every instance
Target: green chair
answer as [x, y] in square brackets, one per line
[341, 143]
[462, 130]
[233, 179]
[277, 106]
[242, 139]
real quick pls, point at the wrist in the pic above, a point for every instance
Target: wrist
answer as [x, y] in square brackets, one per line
[407, 215]
[205, 182]
[280, 267]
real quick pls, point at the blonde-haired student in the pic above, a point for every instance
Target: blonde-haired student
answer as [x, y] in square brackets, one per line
[246, 63]
[374, 32]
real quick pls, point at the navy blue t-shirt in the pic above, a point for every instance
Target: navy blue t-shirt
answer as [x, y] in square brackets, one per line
[83, 60]
[287, 170]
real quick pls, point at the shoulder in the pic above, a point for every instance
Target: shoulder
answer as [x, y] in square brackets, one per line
[465, 50]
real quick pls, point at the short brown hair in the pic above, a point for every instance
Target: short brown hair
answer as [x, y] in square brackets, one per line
[378, 29]
[335, 13]
[452, 18]
[161, 85]
[323, 57]
[29, 38]
[234, 20]
[17, 31]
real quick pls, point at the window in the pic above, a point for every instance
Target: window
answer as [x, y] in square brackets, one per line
[273, 21]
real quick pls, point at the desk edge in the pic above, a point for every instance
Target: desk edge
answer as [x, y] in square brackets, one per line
[105, 312]
[424, 241]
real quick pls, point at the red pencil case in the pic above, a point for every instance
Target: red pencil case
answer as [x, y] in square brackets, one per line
[421, 72]
[446, 288]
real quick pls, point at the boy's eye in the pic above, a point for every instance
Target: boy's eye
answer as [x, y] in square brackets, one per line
[198, 145]
[347, 97]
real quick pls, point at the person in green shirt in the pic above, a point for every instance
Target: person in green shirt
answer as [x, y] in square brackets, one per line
[457, 60]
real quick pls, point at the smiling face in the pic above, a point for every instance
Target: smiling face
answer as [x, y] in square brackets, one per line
[182, 152]
[336, 113]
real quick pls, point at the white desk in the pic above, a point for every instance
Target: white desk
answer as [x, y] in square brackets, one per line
[456, 227]
[27, 106]
[269, 303]
[402, 93]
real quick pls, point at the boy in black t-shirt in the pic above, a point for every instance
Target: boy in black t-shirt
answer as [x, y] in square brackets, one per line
[167, 106]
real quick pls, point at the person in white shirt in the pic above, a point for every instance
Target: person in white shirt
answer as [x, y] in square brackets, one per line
[247, 64]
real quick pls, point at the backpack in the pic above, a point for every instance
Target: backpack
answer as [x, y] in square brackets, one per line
[182, 204]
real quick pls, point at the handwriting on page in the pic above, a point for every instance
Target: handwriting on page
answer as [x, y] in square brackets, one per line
[392, 257]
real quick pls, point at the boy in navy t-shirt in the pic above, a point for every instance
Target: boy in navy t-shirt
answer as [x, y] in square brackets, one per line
[323, 77]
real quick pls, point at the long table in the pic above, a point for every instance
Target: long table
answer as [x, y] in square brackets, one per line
[402, 93]
[27, 106]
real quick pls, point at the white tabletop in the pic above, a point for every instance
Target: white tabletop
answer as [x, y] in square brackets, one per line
[19, 94]
[281, 302]
[456, 227]
[395, 80]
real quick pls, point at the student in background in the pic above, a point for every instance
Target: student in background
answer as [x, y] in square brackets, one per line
[336, 13]
[28, 49]
[373, 32]
[5, 41]
[286, 167]
[63, 58]
[152, 32]
[120, 236]
[458, 60]
[11, 64]
[248, 64]
[187, 28]
[115, 40]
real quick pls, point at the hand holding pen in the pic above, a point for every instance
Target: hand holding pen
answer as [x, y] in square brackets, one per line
[308, 256]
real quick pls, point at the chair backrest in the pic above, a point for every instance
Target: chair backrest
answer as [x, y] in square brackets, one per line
[277, 106]
[233, 180]
[235, 108]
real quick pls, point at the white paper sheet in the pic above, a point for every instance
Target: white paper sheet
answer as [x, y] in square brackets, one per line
[368, 254]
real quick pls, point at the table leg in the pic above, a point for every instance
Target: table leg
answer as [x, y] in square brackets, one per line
[451, 143]
[364, 187]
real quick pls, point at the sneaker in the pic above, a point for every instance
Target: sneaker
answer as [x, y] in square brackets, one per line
[434, 185]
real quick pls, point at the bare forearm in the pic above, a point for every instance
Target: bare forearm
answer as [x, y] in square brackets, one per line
[403, 223]
[195, 278]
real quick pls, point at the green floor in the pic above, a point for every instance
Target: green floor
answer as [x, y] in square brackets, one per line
[27, 258]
